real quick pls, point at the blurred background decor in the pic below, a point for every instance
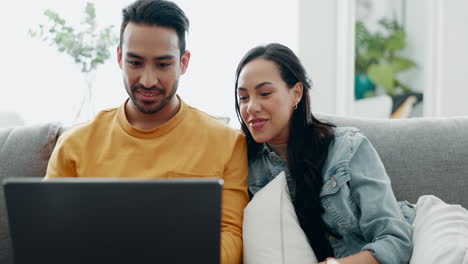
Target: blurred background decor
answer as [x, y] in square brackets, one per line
[323, 36]
[88, 45]
[378, 61]
[377, 57]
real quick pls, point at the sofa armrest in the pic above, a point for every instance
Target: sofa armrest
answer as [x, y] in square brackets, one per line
[24, 152]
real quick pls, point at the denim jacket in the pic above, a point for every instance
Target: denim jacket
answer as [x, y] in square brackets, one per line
[360, 208]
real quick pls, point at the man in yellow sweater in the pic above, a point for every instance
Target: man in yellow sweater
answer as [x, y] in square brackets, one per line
[154, 134]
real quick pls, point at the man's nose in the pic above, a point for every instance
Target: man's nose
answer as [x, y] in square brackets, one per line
[149, 78]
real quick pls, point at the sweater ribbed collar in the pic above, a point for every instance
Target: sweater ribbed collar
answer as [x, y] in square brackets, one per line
[155, 132]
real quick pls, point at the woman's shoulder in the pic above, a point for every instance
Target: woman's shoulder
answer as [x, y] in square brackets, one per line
[345, 144]
[345, 131]
[347, 137]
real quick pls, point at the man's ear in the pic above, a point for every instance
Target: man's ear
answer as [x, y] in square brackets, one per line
[119, 56]
[297, 91]
[184, 62]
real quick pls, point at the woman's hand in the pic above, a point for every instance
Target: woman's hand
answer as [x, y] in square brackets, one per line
[325, 262]
[364, 257]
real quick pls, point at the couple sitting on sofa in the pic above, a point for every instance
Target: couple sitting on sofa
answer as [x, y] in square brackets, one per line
[338, 186]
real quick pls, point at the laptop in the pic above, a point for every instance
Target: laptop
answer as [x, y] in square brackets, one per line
[85, 221]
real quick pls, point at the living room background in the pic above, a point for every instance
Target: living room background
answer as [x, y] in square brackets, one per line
[43, 85]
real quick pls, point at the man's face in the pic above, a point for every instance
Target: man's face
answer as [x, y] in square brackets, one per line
[151, 65]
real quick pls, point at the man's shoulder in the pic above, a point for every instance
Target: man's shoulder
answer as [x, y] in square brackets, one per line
[211, 124]
[81, 130]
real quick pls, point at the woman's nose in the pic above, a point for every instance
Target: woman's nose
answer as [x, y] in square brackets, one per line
[253, 106]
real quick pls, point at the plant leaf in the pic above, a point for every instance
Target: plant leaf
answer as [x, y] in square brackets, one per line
[86, 46]
[90, 10]
[396, 41]
[403, 87]
[400, 64]
[382, 74]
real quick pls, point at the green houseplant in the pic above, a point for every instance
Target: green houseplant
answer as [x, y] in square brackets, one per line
[377, 58]
[87, 45]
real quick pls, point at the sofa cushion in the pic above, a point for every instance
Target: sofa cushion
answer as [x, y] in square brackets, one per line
[271, 231]
[421, 155]
[440, 232]
[24, 152]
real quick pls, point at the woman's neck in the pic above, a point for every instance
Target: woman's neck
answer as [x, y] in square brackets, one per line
[281, 150]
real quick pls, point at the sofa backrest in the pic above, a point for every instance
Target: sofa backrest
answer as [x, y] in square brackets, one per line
[421, 155]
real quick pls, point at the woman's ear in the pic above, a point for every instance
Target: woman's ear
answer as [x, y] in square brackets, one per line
[297, 91]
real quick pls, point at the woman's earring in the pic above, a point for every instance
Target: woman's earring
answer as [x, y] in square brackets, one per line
[295, 107]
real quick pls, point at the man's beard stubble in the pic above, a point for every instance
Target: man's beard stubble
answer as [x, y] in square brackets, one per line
[158, 107]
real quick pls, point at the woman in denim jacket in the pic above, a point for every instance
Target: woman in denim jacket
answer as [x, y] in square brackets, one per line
[340, 190]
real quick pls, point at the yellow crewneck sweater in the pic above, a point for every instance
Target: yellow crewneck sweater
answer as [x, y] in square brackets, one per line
[191, 144]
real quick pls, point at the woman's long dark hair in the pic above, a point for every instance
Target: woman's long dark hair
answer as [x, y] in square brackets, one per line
[308, 144]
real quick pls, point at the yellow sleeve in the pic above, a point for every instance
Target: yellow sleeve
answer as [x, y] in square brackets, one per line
[61, 163]
[235, 198]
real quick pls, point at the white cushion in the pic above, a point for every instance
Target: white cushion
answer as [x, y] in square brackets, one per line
[440, 232]
[271, 230]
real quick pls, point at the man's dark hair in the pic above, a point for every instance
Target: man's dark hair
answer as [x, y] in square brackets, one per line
[308, 143]
[156, 13]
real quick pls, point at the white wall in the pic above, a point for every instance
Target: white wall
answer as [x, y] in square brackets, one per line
[454, 62]
[419, 31]
[438, 43]
[326, 37]
[221, 33]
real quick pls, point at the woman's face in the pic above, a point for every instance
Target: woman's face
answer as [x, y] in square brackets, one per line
[266, 102]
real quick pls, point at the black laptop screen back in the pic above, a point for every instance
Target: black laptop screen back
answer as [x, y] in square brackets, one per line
[115, 221]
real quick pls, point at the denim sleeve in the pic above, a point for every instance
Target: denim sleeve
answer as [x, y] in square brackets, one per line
[381, 222]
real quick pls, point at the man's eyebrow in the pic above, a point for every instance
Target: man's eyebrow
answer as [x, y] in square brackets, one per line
[256, 86]
[165, 57]
[133, 55]
[136, 56]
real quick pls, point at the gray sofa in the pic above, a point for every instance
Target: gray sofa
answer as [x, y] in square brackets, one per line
[422, 156]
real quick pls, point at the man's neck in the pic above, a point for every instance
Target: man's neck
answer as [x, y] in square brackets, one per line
[143, 121]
